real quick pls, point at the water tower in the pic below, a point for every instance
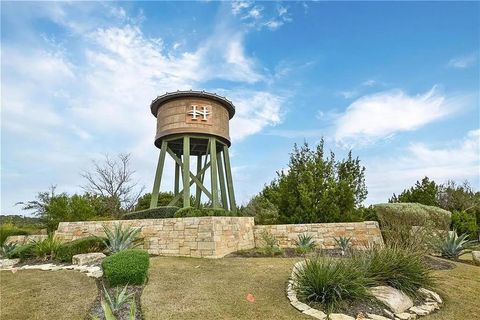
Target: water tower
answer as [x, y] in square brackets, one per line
[195, 124]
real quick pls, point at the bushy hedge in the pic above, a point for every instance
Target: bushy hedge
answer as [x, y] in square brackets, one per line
[465, 222]
[126, 267]
[411, 225]
[201, 212]
[83, 245]
[155, 213]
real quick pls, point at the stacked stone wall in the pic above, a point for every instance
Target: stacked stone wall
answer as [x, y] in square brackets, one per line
[362, 234]
[211, 237]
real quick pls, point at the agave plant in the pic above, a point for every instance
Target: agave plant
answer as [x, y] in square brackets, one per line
[118, 299]
[454, 245]
[343, 243]
[121, 238]
[7, 248]
[305, 243]
[109, 315]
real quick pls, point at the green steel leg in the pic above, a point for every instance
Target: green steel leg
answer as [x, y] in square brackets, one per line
[221, 177]
[213, 169]
[198, 194]
[158, 175]
[180, 194]
[186, 171]
[228, 172]
[177, 179]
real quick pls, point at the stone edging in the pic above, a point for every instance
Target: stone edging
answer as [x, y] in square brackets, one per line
[91, 271]
[433, 302]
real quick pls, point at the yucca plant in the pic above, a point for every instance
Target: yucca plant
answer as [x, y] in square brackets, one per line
[270, 247]
[7, 248]
[121, 238]
[305, 243]
[343, 243]
[331, 283]
[118, 299]
[109, 315]
[46, 249]
[454, 245]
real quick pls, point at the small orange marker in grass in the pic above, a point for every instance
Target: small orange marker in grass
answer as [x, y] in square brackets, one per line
[250, 297]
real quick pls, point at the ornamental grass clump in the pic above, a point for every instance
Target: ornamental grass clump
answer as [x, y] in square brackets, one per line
[305, 243]
[121, 238]
[46, 249]
[331, 283]
[453, 246]
[396, 267]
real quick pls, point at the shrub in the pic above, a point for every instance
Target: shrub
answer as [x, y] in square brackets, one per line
[270, 244]
[330, 283]
[343, 243]
[22, 252]
[398, 219]
[120, 238]
[83, 245]
[454, 246]
[465, 222]
[263, 211]
[155, 213]
[7, 230]
[126, 267]
[201, 212]
[46, 249]
[305, 243]
[396, 267]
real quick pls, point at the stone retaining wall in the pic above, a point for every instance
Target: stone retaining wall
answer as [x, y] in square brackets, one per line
[362, 234]
[210, 237]
[20, 240]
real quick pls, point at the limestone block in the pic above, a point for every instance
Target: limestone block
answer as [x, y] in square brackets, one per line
[340, 316]
[394, 299]
[376, 317]
[476, 257]
[419, 311]
[6, 263]
[403, 316]
[430, 294]
[87, 258]
[317, 314]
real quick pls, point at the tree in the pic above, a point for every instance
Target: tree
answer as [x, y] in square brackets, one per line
[54, 208]
[261, 209]
[113, 180]
[164, 199]
[423, 192]
[318, 188]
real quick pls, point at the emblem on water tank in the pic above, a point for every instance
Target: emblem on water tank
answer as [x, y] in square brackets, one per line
[199, 112]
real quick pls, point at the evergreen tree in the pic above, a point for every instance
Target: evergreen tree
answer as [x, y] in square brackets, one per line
[423, 192]
[318, 188]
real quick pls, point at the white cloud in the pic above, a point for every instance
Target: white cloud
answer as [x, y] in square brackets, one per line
[455, 160]
[239, 6]
[463, 62]
[260, 17]
[383, 114]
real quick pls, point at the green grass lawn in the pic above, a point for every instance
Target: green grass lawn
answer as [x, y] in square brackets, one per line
[185, 288]
[35, 294]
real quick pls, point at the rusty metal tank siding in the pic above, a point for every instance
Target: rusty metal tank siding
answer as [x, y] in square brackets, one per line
[195, 124]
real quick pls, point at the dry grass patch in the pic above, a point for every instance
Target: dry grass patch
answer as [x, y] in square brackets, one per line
[187, 288]
[35, 294]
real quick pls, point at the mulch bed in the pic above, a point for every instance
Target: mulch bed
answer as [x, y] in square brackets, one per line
[437, 263]
[286, 253]
[124, 313]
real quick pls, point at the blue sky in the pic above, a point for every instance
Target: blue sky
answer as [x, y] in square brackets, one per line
[396, 82]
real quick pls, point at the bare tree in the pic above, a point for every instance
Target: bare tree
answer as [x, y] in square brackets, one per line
[113, 180]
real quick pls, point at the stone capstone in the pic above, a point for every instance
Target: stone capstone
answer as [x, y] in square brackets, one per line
[88, 258]
[476, 257]
[394, 299]
[5, 263]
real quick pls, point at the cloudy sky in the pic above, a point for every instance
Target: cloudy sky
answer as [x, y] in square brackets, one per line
[398, 83]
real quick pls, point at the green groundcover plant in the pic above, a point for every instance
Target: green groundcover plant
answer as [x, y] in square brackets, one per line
[84, 245]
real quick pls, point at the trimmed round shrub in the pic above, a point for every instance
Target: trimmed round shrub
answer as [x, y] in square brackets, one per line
[126, 267]
[411, 225]
[331, 283]
[154, 213]
[84, 245]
